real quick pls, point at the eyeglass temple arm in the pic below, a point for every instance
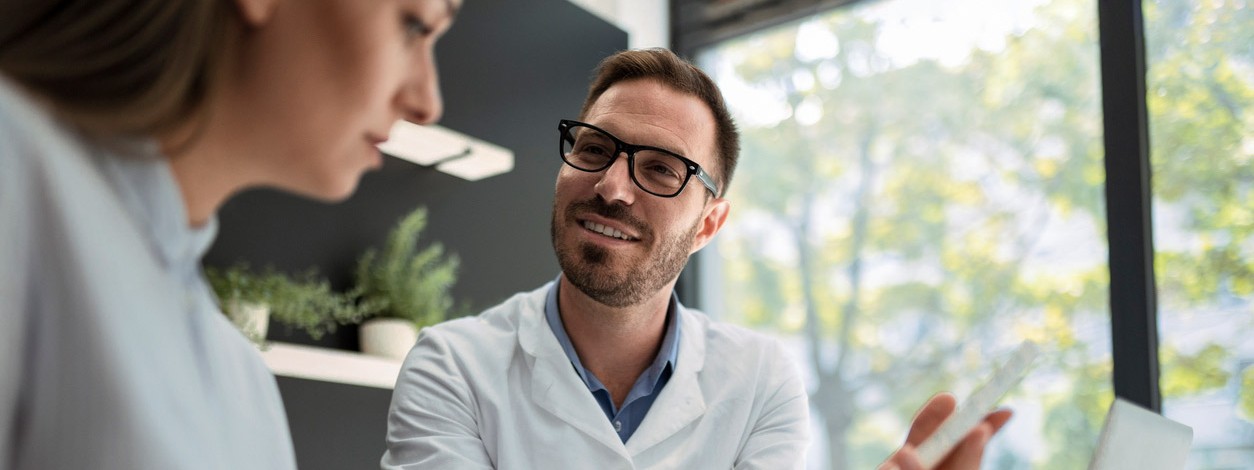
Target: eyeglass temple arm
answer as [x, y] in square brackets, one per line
[708, 181]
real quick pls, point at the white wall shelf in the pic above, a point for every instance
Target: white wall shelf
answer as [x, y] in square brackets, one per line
[447, 150]
[331, 365]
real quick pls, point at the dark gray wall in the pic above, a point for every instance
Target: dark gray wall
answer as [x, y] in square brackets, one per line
[509, 70]
[335, 426]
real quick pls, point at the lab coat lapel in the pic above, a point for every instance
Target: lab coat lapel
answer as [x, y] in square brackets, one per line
[682, 401]
[555, 387]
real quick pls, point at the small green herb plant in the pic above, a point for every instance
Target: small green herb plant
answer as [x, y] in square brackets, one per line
[402, 281]
[304, 301]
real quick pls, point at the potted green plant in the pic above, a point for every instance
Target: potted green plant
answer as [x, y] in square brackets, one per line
[407, 287]
[305, 301]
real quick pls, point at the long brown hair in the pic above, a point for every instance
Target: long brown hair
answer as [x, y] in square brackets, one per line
[666, 67]
[118, 67]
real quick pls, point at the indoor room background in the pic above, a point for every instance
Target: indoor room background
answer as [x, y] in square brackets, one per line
[924, 185]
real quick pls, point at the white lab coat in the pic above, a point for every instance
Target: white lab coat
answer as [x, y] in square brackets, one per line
[497, 391]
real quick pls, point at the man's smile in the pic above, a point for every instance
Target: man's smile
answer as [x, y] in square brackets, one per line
[607, 231]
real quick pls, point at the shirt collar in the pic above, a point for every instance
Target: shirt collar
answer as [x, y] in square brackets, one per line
[146, 185]
[668, 353]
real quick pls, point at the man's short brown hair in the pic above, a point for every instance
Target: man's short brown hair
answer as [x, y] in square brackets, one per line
[666, 67]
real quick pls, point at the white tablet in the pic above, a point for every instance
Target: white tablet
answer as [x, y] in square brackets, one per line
[1138, 439]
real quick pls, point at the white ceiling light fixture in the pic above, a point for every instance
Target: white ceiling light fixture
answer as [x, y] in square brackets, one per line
[448, 151]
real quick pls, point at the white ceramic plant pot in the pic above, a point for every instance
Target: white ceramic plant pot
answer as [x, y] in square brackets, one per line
[388, 337]
[252, 319]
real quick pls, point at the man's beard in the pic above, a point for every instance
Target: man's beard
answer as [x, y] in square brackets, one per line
[586, 266]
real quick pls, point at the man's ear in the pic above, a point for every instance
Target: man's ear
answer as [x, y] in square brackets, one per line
[712, 219]
[256, 12]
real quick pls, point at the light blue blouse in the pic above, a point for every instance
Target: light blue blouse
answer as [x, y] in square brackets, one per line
[113, 353]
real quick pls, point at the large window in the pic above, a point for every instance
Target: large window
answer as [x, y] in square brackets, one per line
[1200, 90]
[921, 189]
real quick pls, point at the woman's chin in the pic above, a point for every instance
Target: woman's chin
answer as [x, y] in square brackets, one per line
[331, 191]
[340, 192]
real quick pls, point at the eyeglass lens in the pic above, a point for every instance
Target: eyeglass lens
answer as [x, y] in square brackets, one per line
[654, 171]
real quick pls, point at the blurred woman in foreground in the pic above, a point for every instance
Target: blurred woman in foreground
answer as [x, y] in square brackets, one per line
[124, 126]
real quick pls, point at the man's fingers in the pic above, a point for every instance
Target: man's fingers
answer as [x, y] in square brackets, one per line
[998, 418]
[968, 453]
[930, 417]
[903, 459]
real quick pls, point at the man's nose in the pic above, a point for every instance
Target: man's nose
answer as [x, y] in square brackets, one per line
[616, 183]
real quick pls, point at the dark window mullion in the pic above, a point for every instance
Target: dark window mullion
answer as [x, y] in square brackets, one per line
[1133, 305]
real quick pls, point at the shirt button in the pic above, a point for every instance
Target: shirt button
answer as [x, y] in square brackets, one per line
[618, 426]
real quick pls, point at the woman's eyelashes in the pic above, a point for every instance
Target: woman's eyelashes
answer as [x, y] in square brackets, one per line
[415, 27]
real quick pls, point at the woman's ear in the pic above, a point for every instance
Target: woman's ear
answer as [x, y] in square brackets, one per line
[257, 12]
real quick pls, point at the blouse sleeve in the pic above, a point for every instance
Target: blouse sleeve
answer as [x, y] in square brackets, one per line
[15, 277]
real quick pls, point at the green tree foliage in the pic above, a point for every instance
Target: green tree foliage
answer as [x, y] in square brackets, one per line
[1200, 89]
[1193, 373]
[1201, 85]
[1246, 403]
[894, 215]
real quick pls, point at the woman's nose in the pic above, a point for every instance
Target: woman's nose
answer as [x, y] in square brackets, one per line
[420, 98]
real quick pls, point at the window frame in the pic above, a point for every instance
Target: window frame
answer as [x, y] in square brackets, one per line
[699, 24]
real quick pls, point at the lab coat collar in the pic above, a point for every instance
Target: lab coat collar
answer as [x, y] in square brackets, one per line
[682, 401]
[556, 388]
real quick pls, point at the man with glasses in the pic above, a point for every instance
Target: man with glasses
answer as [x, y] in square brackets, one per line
[603, 368]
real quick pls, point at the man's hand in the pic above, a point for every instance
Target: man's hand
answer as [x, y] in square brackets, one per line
[966, 455]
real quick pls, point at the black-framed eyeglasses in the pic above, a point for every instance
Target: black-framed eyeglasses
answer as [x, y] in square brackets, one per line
[657, 171]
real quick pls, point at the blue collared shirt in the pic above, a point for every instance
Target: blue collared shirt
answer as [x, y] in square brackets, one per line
[647, 387]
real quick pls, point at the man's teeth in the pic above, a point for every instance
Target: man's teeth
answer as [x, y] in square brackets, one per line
[603, 230]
